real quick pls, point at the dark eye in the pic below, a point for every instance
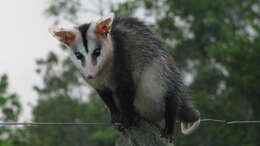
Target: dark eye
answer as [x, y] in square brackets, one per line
[79, 56]
[96, 52]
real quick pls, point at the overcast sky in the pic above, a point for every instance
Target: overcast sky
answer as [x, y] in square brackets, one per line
[24, 38]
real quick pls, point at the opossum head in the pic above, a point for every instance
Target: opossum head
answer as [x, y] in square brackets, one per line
[90, 45]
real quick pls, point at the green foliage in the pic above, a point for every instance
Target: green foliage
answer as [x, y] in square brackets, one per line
[10, 109]
[66, 109]
[10, 106]
[59, 76]
[6, 142]
[63, 9]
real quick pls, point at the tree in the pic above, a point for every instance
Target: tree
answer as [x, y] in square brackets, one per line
[10, 109]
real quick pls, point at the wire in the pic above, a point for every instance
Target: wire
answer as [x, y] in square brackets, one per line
[46, 124]
[109, 124]
[213, 120]
[243, 122]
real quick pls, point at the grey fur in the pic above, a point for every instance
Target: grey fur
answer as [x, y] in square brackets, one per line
[146, 50]
[135, 74]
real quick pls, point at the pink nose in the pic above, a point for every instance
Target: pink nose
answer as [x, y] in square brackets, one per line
[90, 76]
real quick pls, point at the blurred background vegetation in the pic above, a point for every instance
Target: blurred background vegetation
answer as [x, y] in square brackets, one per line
[215, 43]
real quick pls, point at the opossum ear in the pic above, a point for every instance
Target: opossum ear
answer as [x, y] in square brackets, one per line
[104, 25]
[64, 35]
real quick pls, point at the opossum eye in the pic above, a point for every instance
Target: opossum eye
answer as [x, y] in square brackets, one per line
[96, 52]
[79, 56]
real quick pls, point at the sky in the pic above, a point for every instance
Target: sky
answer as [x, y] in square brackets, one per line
[24, 38]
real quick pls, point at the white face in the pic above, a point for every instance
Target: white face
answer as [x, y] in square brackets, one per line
[89, 50]
[92, 57]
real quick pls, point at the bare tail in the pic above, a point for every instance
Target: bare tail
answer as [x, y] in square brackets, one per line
[188, 128]
[189, 117]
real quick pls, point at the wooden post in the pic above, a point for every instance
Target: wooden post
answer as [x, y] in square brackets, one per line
[144, 134]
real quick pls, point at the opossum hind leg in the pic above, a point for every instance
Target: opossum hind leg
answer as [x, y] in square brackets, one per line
[171, 105]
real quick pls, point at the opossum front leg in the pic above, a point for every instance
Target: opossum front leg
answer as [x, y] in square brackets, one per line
[125, 95]
[171, 107]
[106, 96]
[124, 87]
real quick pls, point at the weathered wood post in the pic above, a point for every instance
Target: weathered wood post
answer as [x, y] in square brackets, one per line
[144, 134]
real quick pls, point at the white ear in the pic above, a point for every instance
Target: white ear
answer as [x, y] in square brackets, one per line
[186, 129]
[110, 16]
[64, 35]
[104, 25]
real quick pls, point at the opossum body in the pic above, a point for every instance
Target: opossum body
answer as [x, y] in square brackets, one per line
[129, 68]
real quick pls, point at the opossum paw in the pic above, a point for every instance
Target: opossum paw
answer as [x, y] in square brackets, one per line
[127, 123]
[120, 127]
[169, 138]
[122, 124]
[115, 118]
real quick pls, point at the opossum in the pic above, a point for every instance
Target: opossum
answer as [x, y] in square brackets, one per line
[128, 66]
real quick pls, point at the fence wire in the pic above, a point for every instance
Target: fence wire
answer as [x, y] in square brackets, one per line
[109, 124]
